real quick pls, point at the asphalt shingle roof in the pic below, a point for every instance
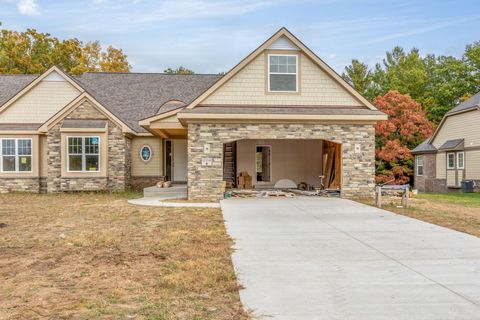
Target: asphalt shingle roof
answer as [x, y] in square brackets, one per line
[83, 123]
[10, 84]
[424, 147]
[136, 96]
[452, 144]
[474, 101]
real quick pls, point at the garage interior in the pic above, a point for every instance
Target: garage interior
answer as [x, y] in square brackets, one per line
[307, 166]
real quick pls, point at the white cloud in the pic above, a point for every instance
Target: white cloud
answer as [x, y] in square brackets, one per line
[148, 14]
[28, 7]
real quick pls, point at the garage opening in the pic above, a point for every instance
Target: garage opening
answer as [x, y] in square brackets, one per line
[308, 166]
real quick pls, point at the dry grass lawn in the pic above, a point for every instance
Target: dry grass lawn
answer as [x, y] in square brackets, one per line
[457, 211]
[94, 256]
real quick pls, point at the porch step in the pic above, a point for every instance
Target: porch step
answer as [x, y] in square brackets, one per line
[174, 192]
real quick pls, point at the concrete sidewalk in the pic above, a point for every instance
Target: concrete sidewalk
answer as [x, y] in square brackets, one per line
[328, 258]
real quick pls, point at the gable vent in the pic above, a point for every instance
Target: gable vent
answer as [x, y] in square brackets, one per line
[283, 43]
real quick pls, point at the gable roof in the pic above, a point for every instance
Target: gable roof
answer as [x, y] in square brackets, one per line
[129, 96]
[284, 34]
[473, 102]
[20, 93]
[468, 105]
[11, 84]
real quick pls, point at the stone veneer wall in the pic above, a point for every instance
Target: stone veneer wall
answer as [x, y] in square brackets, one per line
[358, 168]
[20, 185]
[118, 170]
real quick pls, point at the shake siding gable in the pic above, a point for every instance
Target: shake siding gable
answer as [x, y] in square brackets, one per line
[40, 103]
[248, 86]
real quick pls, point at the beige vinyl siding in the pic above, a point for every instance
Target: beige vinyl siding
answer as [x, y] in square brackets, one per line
[451, 178]
[248, 87]
[472, 164]
[43, 156]
[40, 103]
[441, 165]
[297, 160]
[154, 167]
[461, 126]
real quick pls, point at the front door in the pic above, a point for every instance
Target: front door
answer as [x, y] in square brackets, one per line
[176, 160]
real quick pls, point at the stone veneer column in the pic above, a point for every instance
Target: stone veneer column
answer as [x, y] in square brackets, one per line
[358, 167]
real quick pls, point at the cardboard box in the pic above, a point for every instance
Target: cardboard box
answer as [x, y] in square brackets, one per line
[248, 182]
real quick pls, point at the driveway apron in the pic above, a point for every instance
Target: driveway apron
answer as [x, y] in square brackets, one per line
[329, 258]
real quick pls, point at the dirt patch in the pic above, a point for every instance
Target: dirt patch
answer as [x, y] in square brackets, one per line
[446, 212]
[92, 256]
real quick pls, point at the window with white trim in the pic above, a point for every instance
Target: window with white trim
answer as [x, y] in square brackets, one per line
[460, 160]
[145, 153]
[450, 160]
[419, 165]
[282, 73]
[83, 154]
[16, 155]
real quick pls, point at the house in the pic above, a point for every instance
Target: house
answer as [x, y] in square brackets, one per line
[452, 154]
[280, 113]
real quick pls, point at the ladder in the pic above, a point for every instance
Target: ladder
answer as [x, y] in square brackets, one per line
[230, 163]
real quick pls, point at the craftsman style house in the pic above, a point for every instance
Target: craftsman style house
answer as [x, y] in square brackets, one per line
[452, 154]
[280, 113]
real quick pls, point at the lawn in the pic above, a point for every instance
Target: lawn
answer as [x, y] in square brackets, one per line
[458, 211]
[94, 256]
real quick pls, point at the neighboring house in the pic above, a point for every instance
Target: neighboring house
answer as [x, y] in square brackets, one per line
[452, 154]
[278, 114]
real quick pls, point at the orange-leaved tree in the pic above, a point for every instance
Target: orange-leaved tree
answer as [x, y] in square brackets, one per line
[406, 127]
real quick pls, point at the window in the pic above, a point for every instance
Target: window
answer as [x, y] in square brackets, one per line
[262, 163]
[460, 160]
[16, 155]
[282, 73]
[419, 165]
[146, 153]
[83, 154]
[450, 160]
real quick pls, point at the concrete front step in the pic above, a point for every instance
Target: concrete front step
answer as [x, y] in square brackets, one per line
[175, 191]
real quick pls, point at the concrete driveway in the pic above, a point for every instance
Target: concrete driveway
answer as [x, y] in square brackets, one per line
[328, 258]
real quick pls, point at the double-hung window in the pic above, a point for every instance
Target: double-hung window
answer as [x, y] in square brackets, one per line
[83, 154]
[450, 160]
[282, 73]
[460, 160]
[16, 155]
[419, 165]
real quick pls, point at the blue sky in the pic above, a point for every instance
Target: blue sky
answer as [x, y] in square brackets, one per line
[210, 36]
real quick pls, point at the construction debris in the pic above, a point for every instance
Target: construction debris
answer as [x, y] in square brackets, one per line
[285, 184]
[244, 193]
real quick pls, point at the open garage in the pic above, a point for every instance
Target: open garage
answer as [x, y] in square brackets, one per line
[307, 164]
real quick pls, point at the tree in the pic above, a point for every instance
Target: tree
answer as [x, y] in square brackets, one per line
[406, 127]
[438, 83]
[33, 52]
[358, 76]
[179, 70]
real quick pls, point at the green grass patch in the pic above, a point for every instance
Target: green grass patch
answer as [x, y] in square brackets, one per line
[466, 199]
